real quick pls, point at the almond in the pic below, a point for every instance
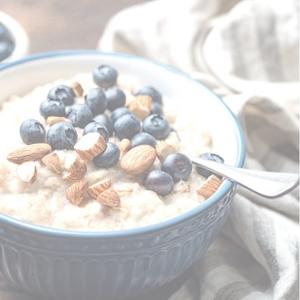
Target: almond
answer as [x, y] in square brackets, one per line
[163, 149]
[75, 193]
[109, 198]
[209, 186]
[90, 145]
[141, 106]
[52, 162]
[77, 89]
[27, 172]
[138, 159]
[75, 167]
[53, 120]
[124, 146]
[29, 153]
[96, 189]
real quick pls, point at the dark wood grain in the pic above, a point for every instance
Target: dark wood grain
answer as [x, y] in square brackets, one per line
[63, 24]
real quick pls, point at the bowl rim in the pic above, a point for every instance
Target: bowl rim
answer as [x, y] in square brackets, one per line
[216, 197]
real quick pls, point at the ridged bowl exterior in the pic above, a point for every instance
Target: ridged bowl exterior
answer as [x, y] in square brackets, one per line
[68, 268]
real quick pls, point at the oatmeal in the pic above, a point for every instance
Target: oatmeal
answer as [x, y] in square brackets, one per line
[83, 154]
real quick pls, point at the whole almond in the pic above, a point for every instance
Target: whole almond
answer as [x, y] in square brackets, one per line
[109, 198]
[77, 89]
[75, 167]
[29, 153]
[138, 159]
[53, 162]
[141, 106]
[96, 189]
[209, 186]
[27, 172]
[53, 120]
[90, 145]
[75, 193]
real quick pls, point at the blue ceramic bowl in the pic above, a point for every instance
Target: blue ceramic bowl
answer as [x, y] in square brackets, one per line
[97, 265]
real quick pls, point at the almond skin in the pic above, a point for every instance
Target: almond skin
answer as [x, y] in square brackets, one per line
[138, 160]
[109, 198]
[27, 172]
[52, 162]
[75, 168]
[75, 193]
[96, 189]
[141, 106]
[77, 89]
[209, 186]
[53, 120]
[124, 146]
[90, 145]
[29, 153]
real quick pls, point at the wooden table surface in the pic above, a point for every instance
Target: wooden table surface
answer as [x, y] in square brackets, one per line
[63, 24]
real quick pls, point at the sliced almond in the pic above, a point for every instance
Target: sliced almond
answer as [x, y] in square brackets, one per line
[53, 162]
[138, 159]
[90, 145]
[27, 172]
[124, 146]
[75, 193]
[164, 149]
[77, 89]
[54, 120]
[75, 167]
[29, 153]
[141, 106]
[96, 189]
[124, 190]
[209, 186]
[109, 198]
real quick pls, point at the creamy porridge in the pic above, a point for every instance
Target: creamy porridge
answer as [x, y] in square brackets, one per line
[74, 190]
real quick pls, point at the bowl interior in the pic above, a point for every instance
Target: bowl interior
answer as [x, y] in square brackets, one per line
[188, 96]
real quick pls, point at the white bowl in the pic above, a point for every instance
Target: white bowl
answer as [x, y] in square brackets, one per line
[19, 36]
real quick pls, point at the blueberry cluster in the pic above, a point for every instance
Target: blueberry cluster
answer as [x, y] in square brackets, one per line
[104, 111]
[7, 44]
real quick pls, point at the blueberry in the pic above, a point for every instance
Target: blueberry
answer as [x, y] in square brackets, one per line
[152, 92]
[52, 108]
[157, 109]
[143, 138]
[127, 126]
[95, 127]
[80, 115]
[115, 98]
[212, 157]
[62, 136]
[62, 93]
[96, 101]
[32, 132]
[109, 157]
[118, 113]
[178, 166]
[160, 182]
[6, 48]
[105, 76]
[105, 121]
[157, 126]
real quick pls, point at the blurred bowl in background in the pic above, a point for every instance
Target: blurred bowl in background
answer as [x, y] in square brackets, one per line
[18, 36]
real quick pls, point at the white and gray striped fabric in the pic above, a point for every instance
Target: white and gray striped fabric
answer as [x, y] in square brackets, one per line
[246, 51]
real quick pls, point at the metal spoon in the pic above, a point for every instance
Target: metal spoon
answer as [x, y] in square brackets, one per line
[266, 184]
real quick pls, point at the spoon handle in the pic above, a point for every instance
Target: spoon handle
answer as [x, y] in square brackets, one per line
[266, 184]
